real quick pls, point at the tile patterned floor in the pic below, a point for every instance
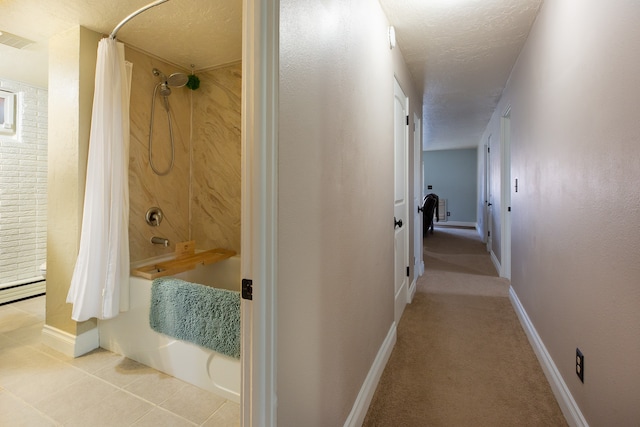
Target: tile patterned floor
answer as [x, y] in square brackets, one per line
[41, 387]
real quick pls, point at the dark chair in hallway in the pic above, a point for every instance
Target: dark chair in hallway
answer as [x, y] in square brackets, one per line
[429, 207]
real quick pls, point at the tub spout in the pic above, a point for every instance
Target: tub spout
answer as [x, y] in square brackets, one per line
[160, 241]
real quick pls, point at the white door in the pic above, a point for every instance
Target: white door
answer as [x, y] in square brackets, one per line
[417, 202]
[489, 201]
[401, 227]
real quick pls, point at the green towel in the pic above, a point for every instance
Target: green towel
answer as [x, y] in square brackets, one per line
[200, 314]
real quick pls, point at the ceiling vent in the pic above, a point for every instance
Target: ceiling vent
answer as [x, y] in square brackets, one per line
[14, 41]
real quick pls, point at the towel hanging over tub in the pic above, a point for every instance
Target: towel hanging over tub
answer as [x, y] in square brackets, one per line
[206, 316]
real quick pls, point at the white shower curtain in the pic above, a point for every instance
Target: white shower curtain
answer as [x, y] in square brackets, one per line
[100, 283]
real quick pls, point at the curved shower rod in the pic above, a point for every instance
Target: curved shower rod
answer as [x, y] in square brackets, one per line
[133, 15]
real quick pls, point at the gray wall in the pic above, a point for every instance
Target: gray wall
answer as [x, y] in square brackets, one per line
[575, 149]
[453, 175]
[335, 204]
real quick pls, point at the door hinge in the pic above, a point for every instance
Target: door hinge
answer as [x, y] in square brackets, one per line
[247, 289]
[407, 271]
[489, 233]
[407, 120]
[509, 209]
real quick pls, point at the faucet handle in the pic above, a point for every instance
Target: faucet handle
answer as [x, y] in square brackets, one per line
[154, 216]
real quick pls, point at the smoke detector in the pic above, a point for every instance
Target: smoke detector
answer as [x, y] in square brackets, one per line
[14, 41]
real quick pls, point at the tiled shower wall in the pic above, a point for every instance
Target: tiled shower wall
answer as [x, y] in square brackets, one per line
[200, 197]
[146, 189]
[216, 159]
[23, 187]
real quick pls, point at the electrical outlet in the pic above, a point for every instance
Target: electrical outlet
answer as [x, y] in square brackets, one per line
[580, 364]
[448, 213]
[429, 187]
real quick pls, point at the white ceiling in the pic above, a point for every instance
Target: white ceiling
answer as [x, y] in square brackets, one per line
[205, 33]
[459, 52]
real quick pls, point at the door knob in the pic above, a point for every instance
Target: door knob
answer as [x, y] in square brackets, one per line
[397, 222]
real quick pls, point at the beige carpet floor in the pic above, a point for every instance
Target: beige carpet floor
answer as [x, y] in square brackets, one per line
[462, 358]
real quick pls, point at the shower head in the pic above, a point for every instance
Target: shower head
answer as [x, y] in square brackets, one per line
[174, 80]
[177, 79]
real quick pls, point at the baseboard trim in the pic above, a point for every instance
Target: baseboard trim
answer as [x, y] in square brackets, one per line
[361, 405]
[496, 263]
[411, 292]
[567, 404]
[68, 344]
[456, 224]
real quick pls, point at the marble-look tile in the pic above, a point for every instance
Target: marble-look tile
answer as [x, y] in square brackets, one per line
[68, 402]
[44, 378]
[34, 306]
[227, 416]
[12, 319]
[14, 412]
[205, 182]
[6, 342]
[161, 418]
[45, 349]
[31, 334]
[146, 189]
[125, 372]
[156, 388]
[96, 360]
[120, 409]
[216, 145]
[18, 362]
[194, 404]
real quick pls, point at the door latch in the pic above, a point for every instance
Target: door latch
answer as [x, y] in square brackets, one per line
[247, 289]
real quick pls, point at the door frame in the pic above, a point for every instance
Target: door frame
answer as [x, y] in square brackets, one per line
[260, 71]
[505, 193]
[418, 180]
[487, 195]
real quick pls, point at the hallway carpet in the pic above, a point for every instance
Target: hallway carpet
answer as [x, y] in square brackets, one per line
[462, 358]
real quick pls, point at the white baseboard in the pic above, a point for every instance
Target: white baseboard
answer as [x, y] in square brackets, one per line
[495, 261]
[411, 292]
[455, 224]
[68, 344]
[361, 405]
[567, 404]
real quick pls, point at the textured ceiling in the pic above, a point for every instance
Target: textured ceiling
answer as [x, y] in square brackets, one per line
[205, 33]
[460, 54]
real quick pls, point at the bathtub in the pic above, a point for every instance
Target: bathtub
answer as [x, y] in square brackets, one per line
[129, 334]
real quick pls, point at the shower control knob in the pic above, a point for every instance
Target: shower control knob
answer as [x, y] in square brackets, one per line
[154, 216]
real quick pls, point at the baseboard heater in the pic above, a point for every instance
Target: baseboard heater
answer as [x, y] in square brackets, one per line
[16, 292]
[442, 210]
